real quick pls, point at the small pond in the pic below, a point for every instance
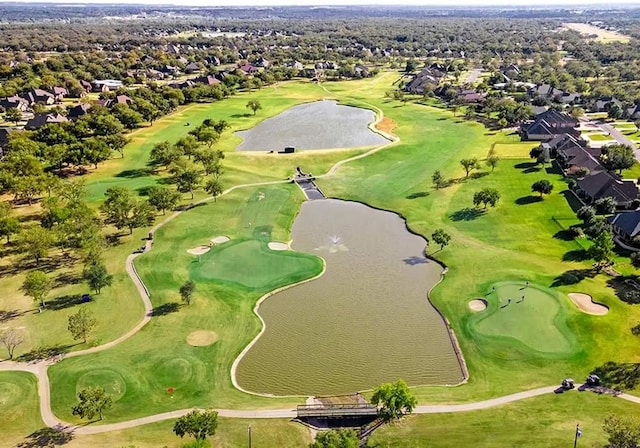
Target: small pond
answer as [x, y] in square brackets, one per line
[365, 321]
[318, 125]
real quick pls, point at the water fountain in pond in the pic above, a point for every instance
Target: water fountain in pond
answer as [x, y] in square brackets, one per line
[335, 245]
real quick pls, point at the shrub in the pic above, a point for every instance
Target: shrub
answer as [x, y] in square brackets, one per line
[635, 259]
[631, 296]
[636, 330]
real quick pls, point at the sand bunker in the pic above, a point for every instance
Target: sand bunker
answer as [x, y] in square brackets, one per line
[274, 245]
[199, 250]
[478, 305]
[220, 239]
[202, 338]
[586, 304]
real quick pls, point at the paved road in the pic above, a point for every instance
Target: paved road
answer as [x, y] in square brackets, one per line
[620, 138]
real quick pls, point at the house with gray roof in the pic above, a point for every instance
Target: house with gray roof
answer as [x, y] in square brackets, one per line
[626, 225]
[603, 184]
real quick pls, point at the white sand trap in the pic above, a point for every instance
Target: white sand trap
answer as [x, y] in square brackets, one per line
[202, 338]
[220, 239]
[478, 305]
[199, 250]
[586, 304]
[275, 245]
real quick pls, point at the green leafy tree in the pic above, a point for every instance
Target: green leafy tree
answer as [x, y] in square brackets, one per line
[622, 432]
[197, 424]
[254, 105]
[186, 291]
[163, 199]
[602, 249]
[36, 242]
[438, 179]
[208, 136]
[9, 224]
[586, 214]
[469, 165]
[542, 186]
[394, 400]
[13, 114]
[81, 324]
[187, 145]
[92, 401]
[336, 438]
[127, 116]
[164, 154]
[441, 238]
[597, 226]
[186, 176]
[214, 188]
[605, 206]
[486, 196]
[617, 157]
[96, 275]
[36, 285]
[492, 161]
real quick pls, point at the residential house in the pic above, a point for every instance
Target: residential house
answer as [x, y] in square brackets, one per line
[548, 125]
[78, 111]
[59, 93]
[207, 80]
[40, 120]
[39, 96]
[603, 104]
[427, 79]
[362, 71]
[249, 69]
[86, 85]
[470, 96]
[192, 67]
[295, 65]
[14, 102]
[262, 62]
[625, 225]
[106, 85]
[603, 184]
[633, 113]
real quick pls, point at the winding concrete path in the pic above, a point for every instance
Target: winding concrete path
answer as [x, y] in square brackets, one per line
[39, 368]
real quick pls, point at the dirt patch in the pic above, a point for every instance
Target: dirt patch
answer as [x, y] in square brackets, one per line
[386, 125]
[202, 338]
[275, 245]
[199, 250]
[220, 239]
[478, 305]
[585, 303]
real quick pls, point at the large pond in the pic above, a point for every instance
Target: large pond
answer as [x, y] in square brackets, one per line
[365, 321]
[318, 125]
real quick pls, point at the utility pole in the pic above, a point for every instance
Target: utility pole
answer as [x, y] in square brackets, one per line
[249, 431]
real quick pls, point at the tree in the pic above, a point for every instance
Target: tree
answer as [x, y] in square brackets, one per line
[163, 199]
[411, 65]
[486, 196]
[214, 188]
[254, 105]
[186, 291]
[615, 111]
[605, 205]
[13, 114]
[186, 176]
[623, 432]
[597, 226]
[336, 438]
[81, 324]
[586, 214]
[617, 157]
[187, 145]
[196, 424]
[36, 242]
[542, 186]
[469, 165]
[164, 154]
[394, 400]
[36, 285]
[602, 249]
[96, 275]
[438, 179]
[11, 339]
[441, 238]
[123, 210]
[492, 161]
[208, 136]
[8, 223]
[92, 401]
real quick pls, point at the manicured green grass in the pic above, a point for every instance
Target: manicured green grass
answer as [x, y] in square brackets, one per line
[251, 264]
[159, 357]
[18, 407]
[529, 315]
[541, 422]
[599, 137]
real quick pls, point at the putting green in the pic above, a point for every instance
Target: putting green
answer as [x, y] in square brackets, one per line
[111, 381]
[252, 264]
[537, 321]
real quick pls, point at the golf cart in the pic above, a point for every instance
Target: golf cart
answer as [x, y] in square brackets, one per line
[593, 380]
[568, 383]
